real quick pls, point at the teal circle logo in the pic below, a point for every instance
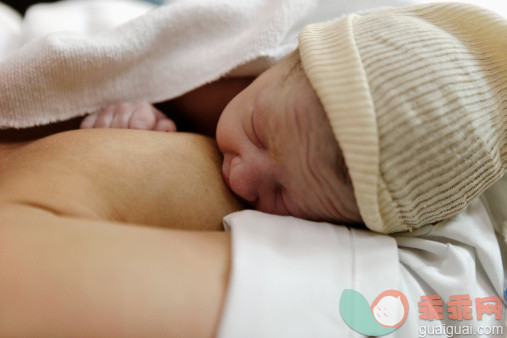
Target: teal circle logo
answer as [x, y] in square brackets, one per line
[386, 314]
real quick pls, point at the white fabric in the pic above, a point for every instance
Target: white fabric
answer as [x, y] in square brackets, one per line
[10, 29]
[85, 65]
[84, 16]
[288, 274]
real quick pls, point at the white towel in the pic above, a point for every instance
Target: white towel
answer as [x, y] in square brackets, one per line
[68, 59]
[10, 30]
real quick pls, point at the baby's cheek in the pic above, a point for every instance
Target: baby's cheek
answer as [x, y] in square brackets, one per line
[267, 203]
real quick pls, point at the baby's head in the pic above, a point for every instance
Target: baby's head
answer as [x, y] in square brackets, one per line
[387, 118]
[280, 154]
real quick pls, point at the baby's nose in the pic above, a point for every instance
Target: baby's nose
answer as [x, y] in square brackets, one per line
[248, 178]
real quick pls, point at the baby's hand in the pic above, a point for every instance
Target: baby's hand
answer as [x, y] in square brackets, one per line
[138, 115]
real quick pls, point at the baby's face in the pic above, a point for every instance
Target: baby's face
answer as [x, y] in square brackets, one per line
[280, 155]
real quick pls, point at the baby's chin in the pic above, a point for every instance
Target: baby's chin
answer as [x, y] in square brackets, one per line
[270, 207]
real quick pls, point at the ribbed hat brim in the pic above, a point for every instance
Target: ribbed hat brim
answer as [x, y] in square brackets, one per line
[332, 63]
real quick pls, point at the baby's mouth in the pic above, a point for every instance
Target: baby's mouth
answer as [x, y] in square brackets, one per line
[226, 168]
[226, 172]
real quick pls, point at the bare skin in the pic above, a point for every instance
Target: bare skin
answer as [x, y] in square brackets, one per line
[261, 133]
[88, 244]
[64, 276]
[72, 266]
[120, 175]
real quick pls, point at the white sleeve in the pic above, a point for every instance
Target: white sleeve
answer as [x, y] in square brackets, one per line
[288, 274]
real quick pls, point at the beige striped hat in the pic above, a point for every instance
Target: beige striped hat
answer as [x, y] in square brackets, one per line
[417, 100]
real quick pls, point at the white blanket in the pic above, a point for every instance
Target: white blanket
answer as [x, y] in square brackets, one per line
[71, 58]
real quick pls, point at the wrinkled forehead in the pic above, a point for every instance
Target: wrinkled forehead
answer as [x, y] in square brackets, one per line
[294, 118]
[275, 109]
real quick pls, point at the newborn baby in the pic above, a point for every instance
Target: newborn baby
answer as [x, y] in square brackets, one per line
[273, 158]
[395, 119]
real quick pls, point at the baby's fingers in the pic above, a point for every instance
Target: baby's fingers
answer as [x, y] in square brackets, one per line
[143, 117]
[147, 117]
[164, 124]
[88, 121]
[100, 119]
[137, 115]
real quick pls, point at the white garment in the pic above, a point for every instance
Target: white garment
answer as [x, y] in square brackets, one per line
[288, 274]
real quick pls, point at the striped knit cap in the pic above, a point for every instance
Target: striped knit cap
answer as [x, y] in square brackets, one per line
[417, 100]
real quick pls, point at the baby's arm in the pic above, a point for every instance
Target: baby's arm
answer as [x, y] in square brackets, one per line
[198, 110]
